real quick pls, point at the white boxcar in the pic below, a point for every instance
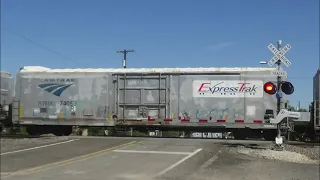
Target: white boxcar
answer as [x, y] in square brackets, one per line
[168, 97]
[7, 90]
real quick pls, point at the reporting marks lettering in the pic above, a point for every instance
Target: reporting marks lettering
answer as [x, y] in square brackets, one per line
[46, 103]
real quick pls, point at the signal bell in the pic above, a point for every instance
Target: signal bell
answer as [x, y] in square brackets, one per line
[287, 87]
[269, 88]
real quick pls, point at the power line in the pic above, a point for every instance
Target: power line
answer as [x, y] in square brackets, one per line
[40, 45]
[297, 77]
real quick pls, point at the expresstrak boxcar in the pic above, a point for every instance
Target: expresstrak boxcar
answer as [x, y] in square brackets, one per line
[189, 98]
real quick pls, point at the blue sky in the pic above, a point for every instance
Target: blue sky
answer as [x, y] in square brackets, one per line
[164, 33]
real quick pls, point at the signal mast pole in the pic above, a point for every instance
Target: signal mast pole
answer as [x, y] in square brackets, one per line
[278, 80]
[124, 61]
[278, 90]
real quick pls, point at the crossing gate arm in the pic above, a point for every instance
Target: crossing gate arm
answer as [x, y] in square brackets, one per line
[284, 113]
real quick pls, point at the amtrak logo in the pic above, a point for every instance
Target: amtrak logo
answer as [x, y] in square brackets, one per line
[55, 88]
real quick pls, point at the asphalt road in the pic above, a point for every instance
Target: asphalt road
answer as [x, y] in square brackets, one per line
[147, 159]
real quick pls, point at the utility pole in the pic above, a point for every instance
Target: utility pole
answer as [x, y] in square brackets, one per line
[124, 52]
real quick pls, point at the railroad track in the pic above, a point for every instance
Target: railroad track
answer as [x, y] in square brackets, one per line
[296, 143]
[20, 136]
[306, 144]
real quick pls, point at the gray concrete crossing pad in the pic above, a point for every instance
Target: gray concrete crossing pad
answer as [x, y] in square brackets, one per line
[50, 154]
[145, 159]
[109, 166]
[138, 159]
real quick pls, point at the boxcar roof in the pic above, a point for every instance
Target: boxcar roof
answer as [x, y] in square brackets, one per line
[145, 70]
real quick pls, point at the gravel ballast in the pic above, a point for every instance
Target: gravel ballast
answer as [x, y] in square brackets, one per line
[311, 152]
[291, 153]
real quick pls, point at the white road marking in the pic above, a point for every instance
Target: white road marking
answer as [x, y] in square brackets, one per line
[4, 173]
[179, 162]
[38, 147]
[210, 161]
[153, 152]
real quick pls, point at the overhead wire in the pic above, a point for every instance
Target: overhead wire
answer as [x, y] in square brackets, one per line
[70, 59]
[297, 77]
[41, 45]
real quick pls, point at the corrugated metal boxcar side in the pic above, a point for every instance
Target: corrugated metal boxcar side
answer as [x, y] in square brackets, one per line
[229, 97]
[63, 98]
[7, 88]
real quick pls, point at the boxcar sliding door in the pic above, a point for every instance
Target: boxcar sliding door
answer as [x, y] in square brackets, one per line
[141, 96]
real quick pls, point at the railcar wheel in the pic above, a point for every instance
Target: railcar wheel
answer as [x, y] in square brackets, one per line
[32, 131]
[62, 131]
[270, 135]
[67, 131]
[57, 133]
[240, 135]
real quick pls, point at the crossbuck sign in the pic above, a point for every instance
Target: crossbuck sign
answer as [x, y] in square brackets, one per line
[279, 55]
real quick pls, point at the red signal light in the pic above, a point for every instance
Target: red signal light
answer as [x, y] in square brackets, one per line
[269, 88]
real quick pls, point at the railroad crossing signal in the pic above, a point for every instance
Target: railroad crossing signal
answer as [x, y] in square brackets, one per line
[279, 55]
[285, 86]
